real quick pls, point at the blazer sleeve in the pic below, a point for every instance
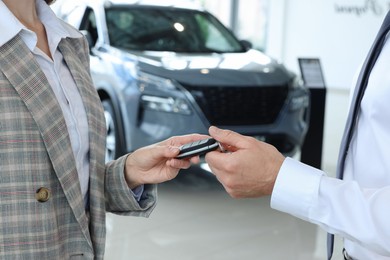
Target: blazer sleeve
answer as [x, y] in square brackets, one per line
[120, 199]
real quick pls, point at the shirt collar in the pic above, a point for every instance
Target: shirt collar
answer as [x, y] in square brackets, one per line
[56, 30]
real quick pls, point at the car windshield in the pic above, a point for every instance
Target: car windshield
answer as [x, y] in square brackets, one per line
[167, 29]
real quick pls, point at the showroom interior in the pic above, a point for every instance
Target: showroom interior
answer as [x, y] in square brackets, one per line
[195, 218]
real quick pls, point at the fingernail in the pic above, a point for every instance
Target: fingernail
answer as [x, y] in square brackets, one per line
[214, 129]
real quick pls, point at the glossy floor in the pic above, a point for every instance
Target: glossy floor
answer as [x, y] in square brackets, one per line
[196, 219]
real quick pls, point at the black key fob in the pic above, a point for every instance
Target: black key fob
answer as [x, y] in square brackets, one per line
[196, 148]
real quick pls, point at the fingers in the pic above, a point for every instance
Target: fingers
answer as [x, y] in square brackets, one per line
[177, 141]
[170, 152]
[227, 138]
[179, 163]
[217, 160]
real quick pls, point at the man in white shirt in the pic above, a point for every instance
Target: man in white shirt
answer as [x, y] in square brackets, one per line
[356, 207]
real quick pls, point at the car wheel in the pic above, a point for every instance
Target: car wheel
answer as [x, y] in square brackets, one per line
[113, 144]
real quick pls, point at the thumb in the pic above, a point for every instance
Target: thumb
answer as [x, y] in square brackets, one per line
[226, 137]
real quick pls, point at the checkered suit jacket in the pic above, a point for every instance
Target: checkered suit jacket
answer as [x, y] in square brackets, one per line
[35, 152]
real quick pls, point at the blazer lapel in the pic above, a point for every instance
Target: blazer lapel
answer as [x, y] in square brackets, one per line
[77, 59]
[73, 52]
[97, 129]
[20, 67]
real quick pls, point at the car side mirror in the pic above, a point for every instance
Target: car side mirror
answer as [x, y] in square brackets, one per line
[247, 44]
[88, 36]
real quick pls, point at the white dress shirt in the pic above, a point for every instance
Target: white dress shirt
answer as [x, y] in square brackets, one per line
[358, 207]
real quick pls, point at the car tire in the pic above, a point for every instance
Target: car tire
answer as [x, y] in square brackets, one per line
[113, 142]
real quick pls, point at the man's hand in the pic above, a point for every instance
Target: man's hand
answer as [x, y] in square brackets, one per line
[249, 167]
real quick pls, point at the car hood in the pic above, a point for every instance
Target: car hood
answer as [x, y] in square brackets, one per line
[251, 68]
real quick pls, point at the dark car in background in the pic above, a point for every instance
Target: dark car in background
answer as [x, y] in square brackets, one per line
[162, 71]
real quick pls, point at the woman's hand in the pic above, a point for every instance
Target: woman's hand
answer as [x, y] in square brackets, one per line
[156, 163]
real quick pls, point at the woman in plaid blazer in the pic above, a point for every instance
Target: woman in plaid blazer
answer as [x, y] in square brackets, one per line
[54, 185]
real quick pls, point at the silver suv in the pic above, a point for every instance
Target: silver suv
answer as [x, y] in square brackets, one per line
[166, 70]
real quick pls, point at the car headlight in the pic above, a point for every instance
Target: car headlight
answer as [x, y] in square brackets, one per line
[300, 99]
[146, 80]
[296, 82]
[299, 102]
[172, 105]
[149, 83]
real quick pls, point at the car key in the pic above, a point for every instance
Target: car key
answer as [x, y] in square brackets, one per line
[196, 148]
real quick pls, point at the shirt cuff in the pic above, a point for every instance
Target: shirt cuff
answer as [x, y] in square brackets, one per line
[137, 192]
[296, 188]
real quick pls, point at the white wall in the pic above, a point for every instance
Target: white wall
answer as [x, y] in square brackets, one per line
[339, 32]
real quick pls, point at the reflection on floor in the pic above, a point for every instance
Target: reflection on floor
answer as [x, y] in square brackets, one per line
[196, 219]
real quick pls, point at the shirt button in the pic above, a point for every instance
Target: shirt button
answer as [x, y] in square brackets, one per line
[42, 194]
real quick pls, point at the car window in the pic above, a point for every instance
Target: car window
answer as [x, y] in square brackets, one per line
[89, 24]
[168, 30]
[214, 35]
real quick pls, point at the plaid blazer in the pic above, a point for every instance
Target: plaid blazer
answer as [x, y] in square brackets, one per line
[36, 154]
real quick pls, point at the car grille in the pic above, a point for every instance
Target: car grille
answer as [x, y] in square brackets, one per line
[240, 105]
